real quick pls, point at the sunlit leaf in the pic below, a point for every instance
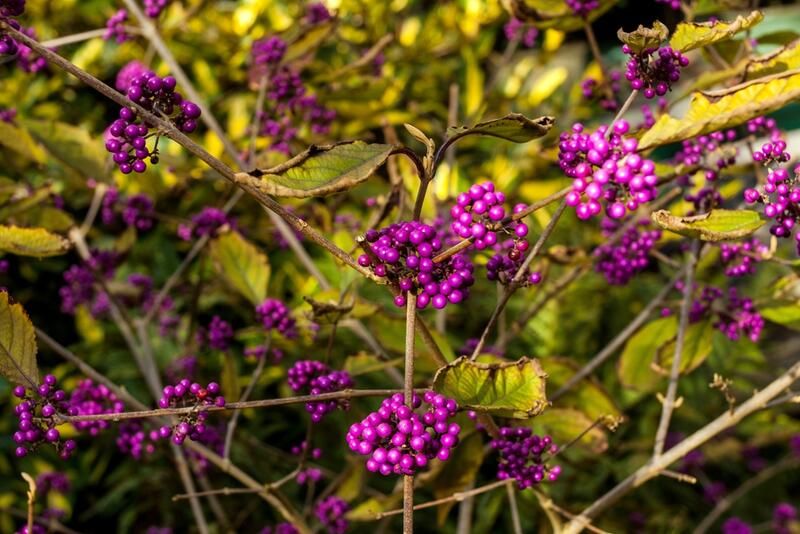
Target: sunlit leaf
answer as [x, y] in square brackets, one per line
[20, 141]
[717, 110]
[785, 314]
[36, 242]
[555, 13]
[587, 396]
[565, 424]
[242, 265]
[308, 41]
[367, 510]
[717, 225]
[17, 344]
[697, 347]
[515, 389]
[229, 379]
[72, 145]
[634, 368]
[513, 127]
[322, 170]
[691, 35]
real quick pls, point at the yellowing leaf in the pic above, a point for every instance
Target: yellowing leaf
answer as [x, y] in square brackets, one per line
[643, 39]
[515, 389]
[566, 424]
[36, 242]
[717, 225]
[308, 41]
[322, 170]
[780, 60]
[367, 510]
[242, 265]
[21, 142]
[634, 369]
[17, 344]
[696, 348]
[587, 396]
[72, 145]
[691, 35]
[513, 127]
[730, 107]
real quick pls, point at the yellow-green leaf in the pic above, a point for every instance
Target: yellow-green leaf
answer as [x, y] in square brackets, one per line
[71, 145]
[696, 348]
[242, 265]
[321, 170]
[36, 242]
[308, 41]
[514, 127]
[691, 35]
[717, 225]
[730, 107]
[566, 424]
[780, 60]
[367, 510]
[17, 344]
[230, 377]
[635, 364]
[515, 389]
[363, 363]
[555, 13]
[643, 39]
[21, 142]
[587, 396]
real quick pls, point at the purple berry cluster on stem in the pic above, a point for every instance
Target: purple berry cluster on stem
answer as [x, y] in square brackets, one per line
[477, 210]
[605, 169]
[330, 512]
[206, 223]
[522, 457]
[740, 259]
[115, 27]
[8, 10]
[781, 199]
[404, 252]
[312, 377]
[188, 393]
[38, 418]
[653, 71]
[401, 441]
[708, 152]
[138, 441]
[620, 262]
[526, 33]
[128, 134]
[604, 91]
[218, 334]
[89, 398]
[504, 264]
[275, 316]
[733, 315]
[583, 8]
[153, 8]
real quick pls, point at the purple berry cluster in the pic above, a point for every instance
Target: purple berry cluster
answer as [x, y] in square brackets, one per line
[781, 199]
[706, 152]
[704, 200]
[772, 152]
[582, 8]
[275, 315]
[145, 299]
[309, 474]
[606, 93]
[79, 280]
[331, 514]
[733, 314]
[129, 133]
[620, 262]
[9, 9]
[317, 13]
[8, 115]
[740, 259]
[522, 457]
[138, 212]
[128, 73]
[674, 4]
[206, 223]
[399, 440]
[188, 393]
[153, 8]
[137, 441]
[268, 51]
[504, 264]
[607, 170]
[312, 377]
[477, 211]
[783, 515]
[515, 29]
[404, 253]
[28, 60]
[218, 334]
[115, 27]
[471, 343]
[734, 525]
[37, 414]
[653, 71]
[213, 437]
[89, 398]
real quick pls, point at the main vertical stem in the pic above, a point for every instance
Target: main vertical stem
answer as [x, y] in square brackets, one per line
[408, 481]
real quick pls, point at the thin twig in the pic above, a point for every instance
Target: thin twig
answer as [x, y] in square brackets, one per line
[512, 501]
[455, 497]
[674, 375]
[226, 450]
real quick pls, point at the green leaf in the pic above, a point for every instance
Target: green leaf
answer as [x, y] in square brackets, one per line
[566, 424]
[72, 145]
[514, 127]
[635, 364]
[242, 265]
[642, 39]
[514, 389]
[697, 347]
[308, 41]
[17, 344]
[718, 110]
[691, 35]
[587, 396]
[322, 170]
[458, 472]
[21, 142]
[22, 203]
[717, 225]
[555, 13]
[363, 363]
[367, 510]
[785, 314]
[36, 242]
[230, 377]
